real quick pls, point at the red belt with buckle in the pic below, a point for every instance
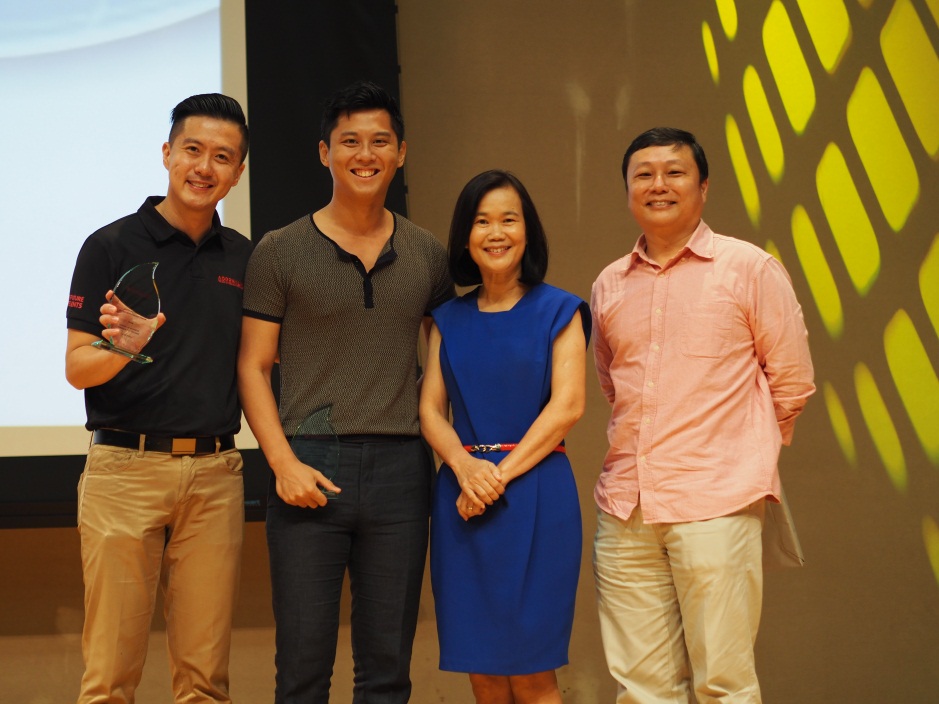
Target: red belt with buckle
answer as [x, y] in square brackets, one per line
[503, 447]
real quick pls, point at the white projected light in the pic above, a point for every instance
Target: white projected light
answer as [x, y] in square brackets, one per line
[87, 88]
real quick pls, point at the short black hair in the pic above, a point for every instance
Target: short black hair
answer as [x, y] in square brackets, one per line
[362, 95]
[215, 105]
[463, 269]
[667, 137]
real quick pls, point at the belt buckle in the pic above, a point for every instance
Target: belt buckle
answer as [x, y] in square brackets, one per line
[488, 448]
[184, 446]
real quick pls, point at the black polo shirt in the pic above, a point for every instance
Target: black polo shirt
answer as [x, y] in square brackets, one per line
[190, 388]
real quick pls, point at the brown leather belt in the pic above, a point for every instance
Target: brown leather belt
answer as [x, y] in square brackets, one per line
[206, 445]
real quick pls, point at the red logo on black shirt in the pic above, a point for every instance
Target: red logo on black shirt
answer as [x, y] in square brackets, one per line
[76, 301]
[231, 282]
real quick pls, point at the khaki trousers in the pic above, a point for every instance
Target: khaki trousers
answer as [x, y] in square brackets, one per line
[140, 515]
[680, 606]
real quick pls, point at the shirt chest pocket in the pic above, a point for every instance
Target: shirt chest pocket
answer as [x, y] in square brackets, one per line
[706, 329]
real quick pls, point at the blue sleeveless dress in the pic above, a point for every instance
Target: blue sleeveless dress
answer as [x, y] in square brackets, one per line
[504, 583]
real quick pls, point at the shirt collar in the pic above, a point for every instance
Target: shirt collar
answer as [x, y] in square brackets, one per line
[387, 255]
[161, 231]
[701, 244]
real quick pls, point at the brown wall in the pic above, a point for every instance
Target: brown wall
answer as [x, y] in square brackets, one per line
[554, 92]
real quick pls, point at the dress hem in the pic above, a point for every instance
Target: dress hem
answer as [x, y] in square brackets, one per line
[499, 670]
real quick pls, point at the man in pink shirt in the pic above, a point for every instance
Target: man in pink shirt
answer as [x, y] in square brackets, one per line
[702, 352]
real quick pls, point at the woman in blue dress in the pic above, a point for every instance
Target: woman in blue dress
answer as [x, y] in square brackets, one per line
[508, 359]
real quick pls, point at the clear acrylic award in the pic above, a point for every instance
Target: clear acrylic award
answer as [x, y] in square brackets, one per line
[138, 304]
[316, 444]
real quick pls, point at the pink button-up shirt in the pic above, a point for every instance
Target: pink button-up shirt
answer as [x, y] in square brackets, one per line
[706, 364]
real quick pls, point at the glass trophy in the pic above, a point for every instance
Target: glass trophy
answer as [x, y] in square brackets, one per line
[138, 304]
[316, 444]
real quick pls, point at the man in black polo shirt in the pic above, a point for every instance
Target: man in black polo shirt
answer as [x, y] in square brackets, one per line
[162, 489]
[339, 297]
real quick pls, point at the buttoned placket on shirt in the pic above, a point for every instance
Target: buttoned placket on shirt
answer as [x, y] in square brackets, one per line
[650, 398]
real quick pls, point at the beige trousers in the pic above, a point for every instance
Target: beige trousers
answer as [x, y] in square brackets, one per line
[680, 606]
[140, 516]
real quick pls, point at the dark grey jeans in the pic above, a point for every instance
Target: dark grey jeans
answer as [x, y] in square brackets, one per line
[377, 529]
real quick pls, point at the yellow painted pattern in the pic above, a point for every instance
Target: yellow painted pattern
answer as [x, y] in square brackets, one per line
[791, 73]
[931, 539]
[738, 157]
[830, 29]
[852, 229]
[865, 117]
[764, 124]
[817, 272]
[886, 158]
[933, 6]
[880, 426]
[710, 51]
[915, 379]
[839, 423]
[914, 67]
[727, 11]
[929, 284]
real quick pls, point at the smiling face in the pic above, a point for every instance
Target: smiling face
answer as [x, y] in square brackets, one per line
[497, 238]
[204, 162]
[363, 154]
[666, 194]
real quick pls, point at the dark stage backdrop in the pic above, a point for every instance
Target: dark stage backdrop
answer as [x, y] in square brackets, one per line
[296, 58]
